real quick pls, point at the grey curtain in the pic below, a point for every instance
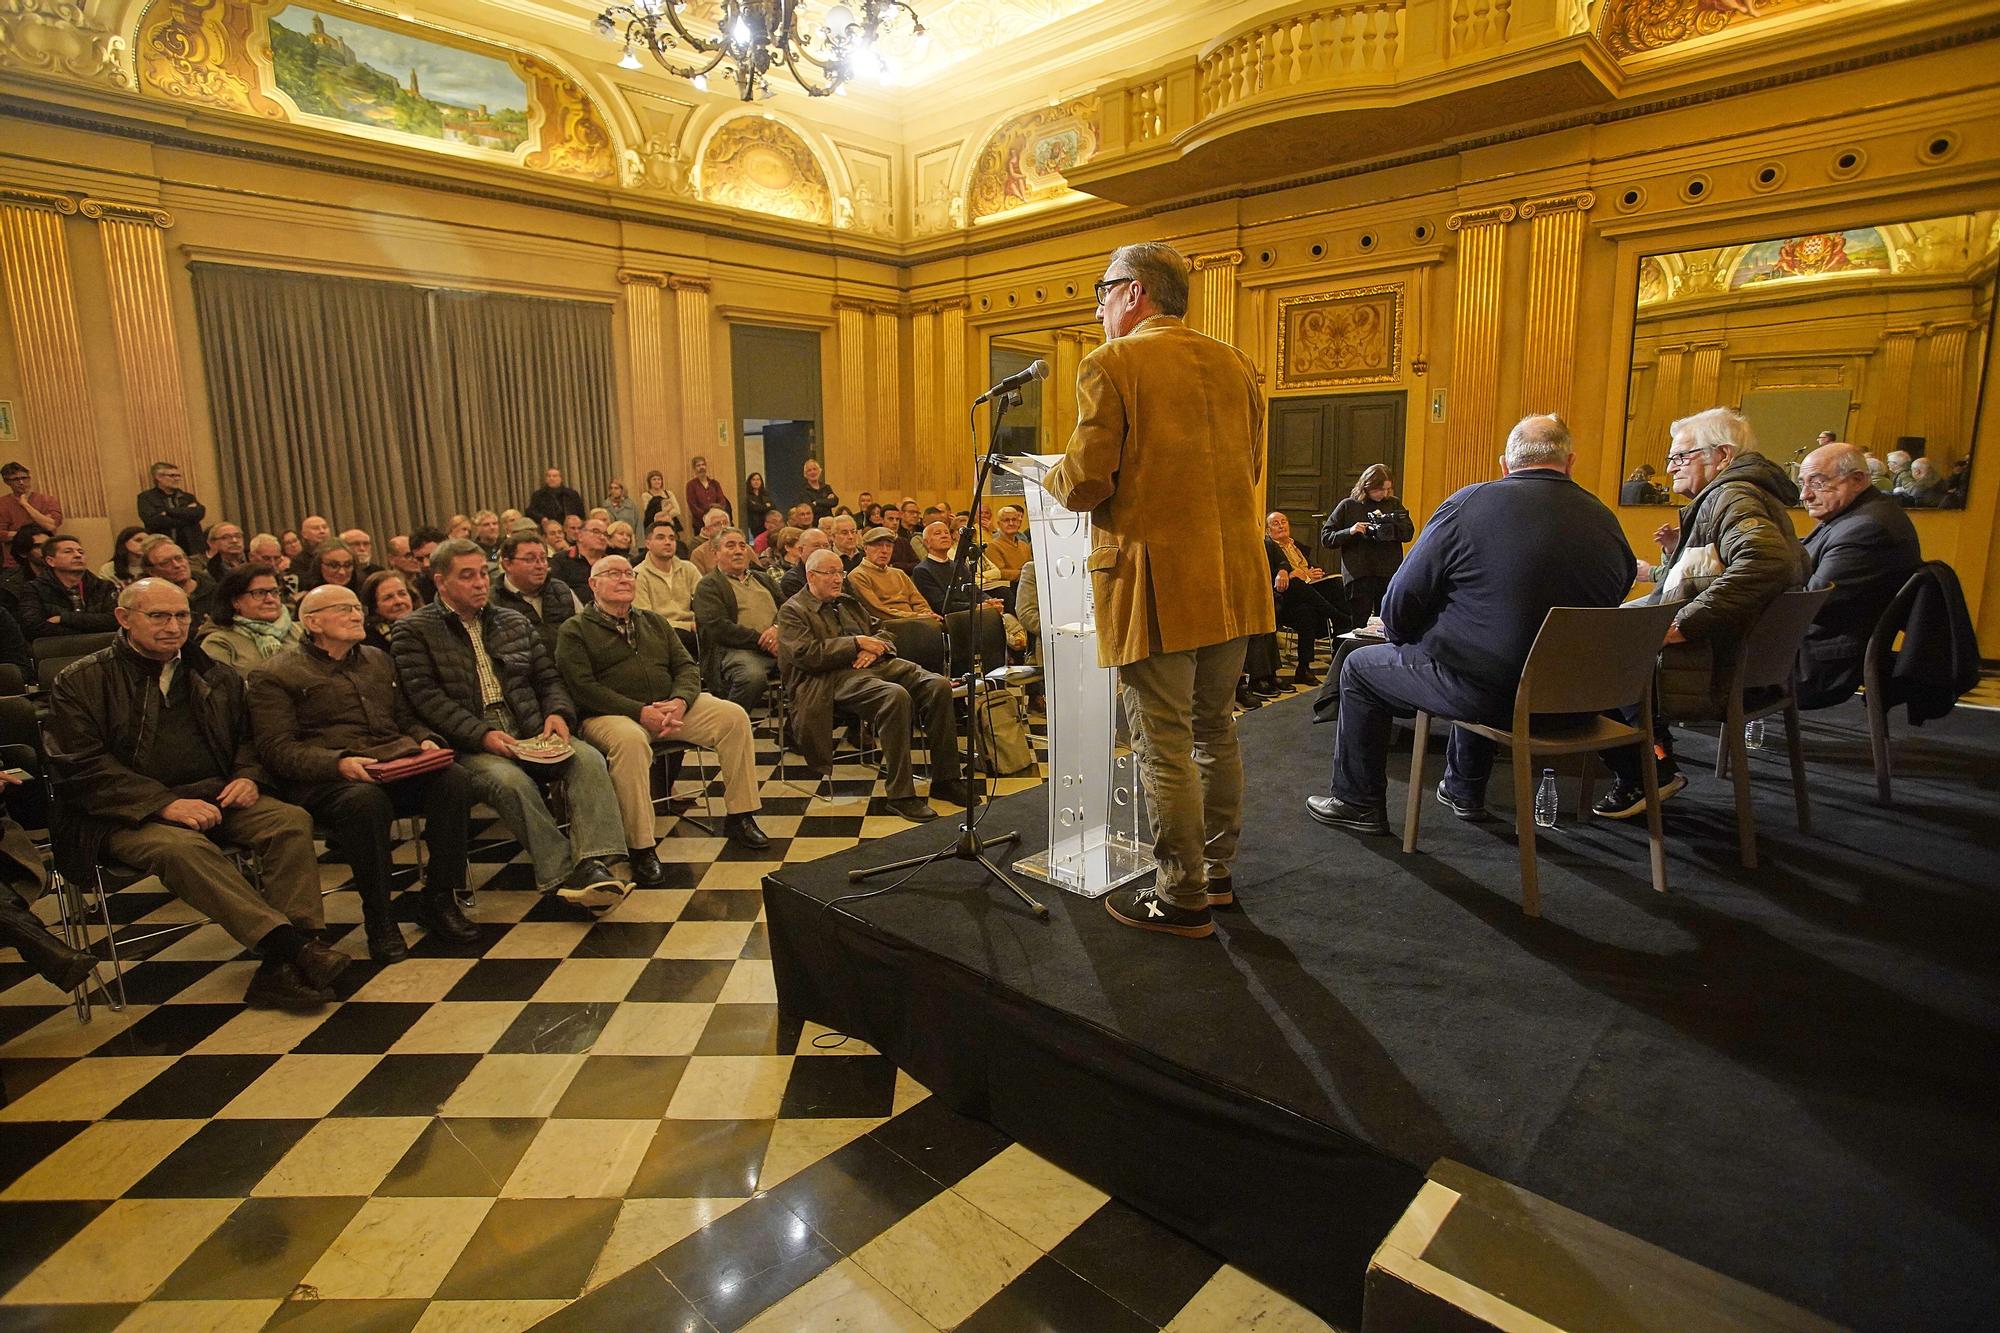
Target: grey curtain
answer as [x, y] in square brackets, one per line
[387, 405]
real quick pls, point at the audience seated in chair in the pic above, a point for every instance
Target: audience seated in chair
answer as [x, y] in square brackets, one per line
[636, 684]
[832, 658]
[933, 574]
[1460, 616]
[527, 588]
[252, 624]
[21, 882]
[666, 582]
[735, 616]
[325, 713]
[901, 610]
[1737, 551]
[703, 554]
[65, 597]
[150, 745]
[480, 677]
[1864, 549]
[794, 581]
[1302, 590]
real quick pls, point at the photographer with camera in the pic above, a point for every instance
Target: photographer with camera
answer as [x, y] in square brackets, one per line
[1368, 528]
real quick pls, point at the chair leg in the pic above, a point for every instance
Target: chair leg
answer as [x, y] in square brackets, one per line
[1723, 749]
[1656, 843]
[111, 948]
[1796, 748]
[1878, 746]
[1586, 785]
[1746, 820]
[1524, 825]
[1415, 802]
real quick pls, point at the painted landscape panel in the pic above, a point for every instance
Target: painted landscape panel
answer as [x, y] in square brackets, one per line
[352, 71]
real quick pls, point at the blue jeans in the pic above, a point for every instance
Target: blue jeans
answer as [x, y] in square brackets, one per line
[595, 830]
[1386, 681]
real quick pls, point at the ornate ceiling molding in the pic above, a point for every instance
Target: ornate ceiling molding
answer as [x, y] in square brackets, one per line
[57, 37]
[54, 203]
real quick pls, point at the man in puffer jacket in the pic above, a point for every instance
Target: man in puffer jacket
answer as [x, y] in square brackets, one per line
[1737, 552]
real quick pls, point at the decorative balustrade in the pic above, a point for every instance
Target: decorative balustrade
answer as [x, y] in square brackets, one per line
[1296, 50]
[1479, 25]
[1147, 105]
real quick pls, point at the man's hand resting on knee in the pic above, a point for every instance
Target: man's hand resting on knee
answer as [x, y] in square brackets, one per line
[190, 813]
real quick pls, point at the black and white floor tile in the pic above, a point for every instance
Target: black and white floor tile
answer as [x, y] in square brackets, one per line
[480, 1136]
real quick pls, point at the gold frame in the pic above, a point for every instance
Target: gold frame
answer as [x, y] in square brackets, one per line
[1387, 371]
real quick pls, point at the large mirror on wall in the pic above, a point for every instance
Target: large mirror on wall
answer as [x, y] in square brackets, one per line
[1877, 334]
[1041, 424]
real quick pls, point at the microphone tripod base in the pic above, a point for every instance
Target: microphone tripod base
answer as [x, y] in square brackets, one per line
[969, 846]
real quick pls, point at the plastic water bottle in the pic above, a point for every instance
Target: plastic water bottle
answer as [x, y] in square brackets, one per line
[1545, 800]
[1753, 734]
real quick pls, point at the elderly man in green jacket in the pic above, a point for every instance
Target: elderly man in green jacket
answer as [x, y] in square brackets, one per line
[635, 684]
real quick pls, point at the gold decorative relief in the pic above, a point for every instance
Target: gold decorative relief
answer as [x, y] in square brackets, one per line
[1336, 340]
[352, 71]
[764, 167]
[1023, 163]
[1630, 27]
[58, 37]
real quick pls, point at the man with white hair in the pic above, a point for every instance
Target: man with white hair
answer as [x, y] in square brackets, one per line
[1461, 614]
[1735, 554]
[793, 581]
[703, 554]
[1865, 548]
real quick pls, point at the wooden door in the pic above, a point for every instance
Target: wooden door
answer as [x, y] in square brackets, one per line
[1319, 449]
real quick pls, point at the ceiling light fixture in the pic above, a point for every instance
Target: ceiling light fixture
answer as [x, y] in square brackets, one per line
[753, 37]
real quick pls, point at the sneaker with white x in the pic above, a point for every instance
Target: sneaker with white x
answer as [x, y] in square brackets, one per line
[1146, 909]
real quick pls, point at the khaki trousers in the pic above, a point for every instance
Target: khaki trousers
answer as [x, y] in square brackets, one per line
[712, 722]
[199, 872]
[1184, 731]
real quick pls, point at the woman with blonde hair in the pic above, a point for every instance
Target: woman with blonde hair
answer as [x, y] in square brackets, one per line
[1368, 528]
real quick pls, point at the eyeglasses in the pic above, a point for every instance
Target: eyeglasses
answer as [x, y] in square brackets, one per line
[1102, 287]
[168, 617]
[260, 592]
[1675, 460]
[336, 564]
[337, 609]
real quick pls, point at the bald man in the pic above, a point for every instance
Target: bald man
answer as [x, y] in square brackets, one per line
[1865, 548]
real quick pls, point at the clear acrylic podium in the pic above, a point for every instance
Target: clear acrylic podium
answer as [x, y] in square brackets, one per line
[1098, 837]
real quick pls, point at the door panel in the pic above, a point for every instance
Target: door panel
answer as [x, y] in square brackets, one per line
[1321, 446]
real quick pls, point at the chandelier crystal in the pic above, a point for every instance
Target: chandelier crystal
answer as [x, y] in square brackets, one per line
[754, 37]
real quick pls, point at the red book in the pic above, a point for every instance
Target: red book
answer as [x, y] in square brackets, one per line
[409, 766]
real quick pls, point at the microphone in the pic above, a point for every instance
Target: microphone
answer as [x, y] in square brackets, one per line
[1039, 370]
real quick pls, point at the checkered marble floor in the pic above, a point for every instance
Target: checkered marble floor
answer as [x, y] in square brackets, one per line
[479, 1136]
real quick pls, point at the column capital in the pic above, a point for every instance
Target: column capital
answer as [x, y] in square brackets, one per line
[855, 304]
[1221, 259]
[1580, 202]
[54, 203]
[1481, 217]
[951, 304]
[639, 277]
[687, 282]
[111, 210]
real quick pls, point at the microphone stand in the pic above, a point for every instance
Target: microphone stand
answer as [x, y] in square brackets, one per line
[968, 845]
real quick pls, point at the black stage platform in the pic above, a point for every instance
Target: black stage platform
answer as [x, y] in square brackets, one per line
[1790, 1075]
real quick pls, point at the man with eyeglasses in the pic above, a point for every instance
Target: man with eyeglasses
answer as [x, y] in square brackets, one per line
[527, 586]
[636, 683]
[166, 509]
[1736, 552]
[155, 767]
[22, 506]
[325, 715]
[164, 558]
[1865, 549]
[1167, 457]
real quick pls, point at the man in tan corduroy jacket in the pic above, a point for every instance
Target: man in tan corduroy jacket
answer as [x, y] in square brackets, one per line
[1168, 458]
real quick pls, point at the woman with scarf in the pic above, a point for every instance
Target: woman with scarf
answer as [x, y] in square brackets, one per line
[251, 624]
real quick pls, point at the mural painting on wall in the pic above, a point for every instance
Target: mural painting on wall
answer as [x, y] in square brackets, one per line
[353, 72]
[1859, 251]
[1023, 163]
[763, 166]
[1632, 26]
[1335, 340]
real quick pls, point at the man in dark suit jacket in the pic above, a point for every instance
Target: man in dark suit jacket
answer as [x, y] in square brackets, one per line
[554, 500]
[1461, 615]
[1865, 548]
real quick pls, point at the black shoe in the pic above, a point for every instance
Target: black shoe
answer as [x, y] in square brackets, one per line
[1146, 909]
[1336, 813]
[743, 831]
[385, 943]
[61, 966]
[1268, 686]
[958, 791]
[913, 808]
[647, 872]
[281, 986]
[319, 965]
[463, 897]
[1304, 677]
[591, 884]
[439, 915]
[1471, 814]
[1246, 700]
[1222, 892]
[1623, 802]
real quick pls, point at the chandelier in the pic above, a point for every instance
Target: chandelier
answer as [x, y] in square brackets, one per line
[753, 37]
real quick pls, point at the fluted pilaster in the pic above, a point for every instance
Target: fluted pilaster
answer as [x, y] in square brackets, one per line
[1946, 425]
[142, 321]
[1059, 392]
[923, 372]
[848, 445]
[1705, 375]
[640, 292]
[56, 420]
[1891, 391]
[697, 376]
[947, 470]
[1215, 297]
[1555, 249]
[1670, 363]
[883, 458]
[1473, 442]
